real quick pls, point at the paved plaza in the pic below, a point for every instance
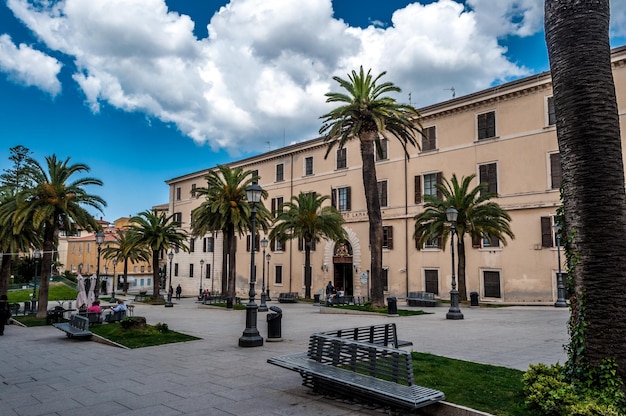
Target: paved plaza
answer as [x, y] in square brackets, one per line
[44, 373]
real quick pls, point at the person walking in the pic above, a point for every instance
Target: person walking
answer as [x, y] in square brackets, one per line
[5, 312]
[329, 292]
[179, 290]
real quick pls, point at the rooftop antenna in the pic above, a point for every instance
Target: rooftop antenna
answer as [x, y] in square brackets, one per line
[269, 147]
[453, 91]
[410, 103]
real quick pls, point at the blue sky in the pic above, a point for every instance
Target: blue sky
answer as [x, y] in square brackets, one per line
[147, 90]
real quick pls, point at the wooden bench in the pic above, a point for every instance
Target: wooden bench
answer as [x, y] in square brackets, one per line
[385, 335]
[142, 296]
[369, 372]
[421, 299]
[112, 316]
[290, 297]
[77, 326]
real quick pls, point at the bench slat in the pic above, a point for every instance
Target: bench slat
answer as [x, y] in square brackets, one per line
[78, 326]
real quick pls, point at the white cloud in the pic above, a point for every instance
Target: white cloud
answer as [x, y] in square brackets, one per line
[618, 18]
[266, 64]
[28, 66]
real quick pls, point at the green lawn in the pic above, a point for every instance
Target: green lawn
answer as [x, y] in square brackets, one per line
[139, 338]
[491, 389]
[57, 291]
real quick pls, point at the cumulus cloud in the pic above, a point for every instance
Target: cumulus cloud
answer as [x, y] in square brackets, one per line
[29, 67]
[266, 64]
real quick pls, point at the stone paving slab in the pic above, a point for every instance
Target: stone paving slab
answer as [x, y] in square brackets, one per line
[43, 373]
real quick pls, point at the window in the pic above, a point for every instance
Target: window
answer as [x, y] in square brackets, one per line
[556, 175]
[175, 269]
[431, 281]
[207, 271]
[277, 206]
[257, 241]
[277, 245]
[301, 244]
[207, 244]
[433, 242]
[383, 155]
[551, 112]
[178, 219]
[430, 180]
[88, 247]
[191, 270]
[382, 193]
[388, 237]
[178, 193]
[429, 139]
[308, 166]
[192, 244]
[342, 158]
[486, 125]
[340, 198]
[489, 176]
[548, 235]
[193, 190]
[491, 281]
[278, 274]
[280, 172]
[385, 278]
[491, 241]
[143, 269]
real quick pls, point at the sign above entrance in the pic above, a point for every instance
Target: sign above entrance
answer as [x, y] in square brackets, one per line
[363, 277]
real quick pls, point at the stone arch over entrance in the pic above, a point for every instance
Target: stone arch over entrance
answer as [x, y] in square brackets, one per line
[341, 260]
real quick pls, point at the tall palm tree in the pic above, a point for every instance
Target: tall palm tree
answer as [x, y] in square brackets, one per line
[369, 115]
[478, 217]
[126, 249]
[594, 201]
[226, 209]
[156, 232]
[305, 218]
[55, 201]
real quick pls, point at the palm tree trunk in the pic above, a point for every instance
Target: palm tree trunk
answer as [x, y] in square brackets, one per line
[307, 269]
[372, 199]
[225, 257]
[232, 269]
[125, 288]
[44, 271]
[156, 282]
[593, 174]
[5, 272]
[461, 269]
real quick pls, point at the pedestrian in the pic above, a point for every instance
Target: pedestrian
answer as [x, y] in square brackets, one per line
[179, 290]
[329, 292]
[5, 312]
[170, 293]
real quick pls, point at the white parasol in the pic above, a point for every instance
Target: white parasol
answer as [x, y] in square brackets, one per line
[91, 296]
[81, 299]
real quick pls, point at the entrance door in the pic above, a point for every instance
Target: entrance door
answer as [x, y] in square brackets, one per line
[343, 278]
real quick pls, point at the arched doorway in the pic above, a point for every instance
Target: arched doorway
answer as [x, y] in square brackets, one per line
[342, 268]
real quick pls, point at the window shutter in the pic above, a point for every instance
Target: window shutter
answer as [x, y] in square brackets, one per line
[546, 232]
[300, 244]
[476, 241]
[417, 244]
[556, 176]
[418, 189]
[333, 198]
[248, 238]
[440, 241]
[273, 245]
[439, 181]
[274, 207]
[348, 198]
[390, 237]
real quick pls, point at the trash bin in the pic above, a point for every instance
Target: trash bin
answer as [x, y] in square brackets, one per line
[392, 305]
[27, 307]
[229, 302]
[473, 298]
[274, 321]
[316, 299]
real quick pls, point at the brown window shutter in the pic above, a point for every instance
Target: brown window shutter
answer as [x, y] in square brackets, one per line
[248, 243]
[417, 244]
[333, 198]
[418, 189]
[348, 198]
[390, 237]
[274, 207]
[546, 232]
[476, 241]
[439, 181]
[440, 241]
[300, 244]
[273, 245]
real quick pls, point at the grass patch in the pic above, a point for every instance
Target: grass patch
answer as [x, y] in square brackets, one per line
[139, 337]
[57, 291]
[30, 320]
[236, 306]
[369, 308]
[492, 389]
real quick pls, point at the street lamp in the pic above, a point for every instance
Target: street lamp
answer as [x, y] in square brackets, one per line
[454, 312]
[99, 241]
[37, 255]
[201, 267]
[113, 288]
[263, 305]
[213, 264]
[560, 286]
[105, 279]
[169, 303]
[267, 257]
[251, 336]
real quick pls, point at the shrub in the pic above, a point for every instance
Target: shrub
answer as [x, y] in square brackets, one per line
[162, 327]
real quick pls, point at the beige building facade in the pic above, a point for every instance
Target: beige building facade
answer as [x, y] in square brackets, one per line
[504, 135]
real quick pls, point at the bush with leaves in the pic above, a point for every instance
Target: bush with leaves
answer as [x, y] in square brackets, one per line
[162, 327]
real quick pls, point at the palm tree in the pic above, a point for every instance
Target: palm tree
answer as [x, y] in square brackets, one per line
[594, 201]
[156, 232]
[305, 218]
[54, 202]
[478, 217]
[226, 209]
[369, 115]
[126, 248]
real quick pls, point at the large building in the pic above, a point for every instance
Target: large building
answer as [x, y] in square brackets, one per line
[504, 135]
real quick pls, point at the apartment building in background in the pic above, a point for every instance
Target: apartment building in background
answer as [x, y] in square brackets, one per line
[504, 135]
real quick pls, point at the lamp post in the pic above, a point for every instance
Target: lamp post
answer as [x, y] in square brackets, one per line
[105, 279]
[37, 255]
[213, 265]
[114, 287]
[263, 305]
[267, 257]
[169, 303]
[201, 267]
[454, 312]
[560, 285]
[99, 241]
[251, 336]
